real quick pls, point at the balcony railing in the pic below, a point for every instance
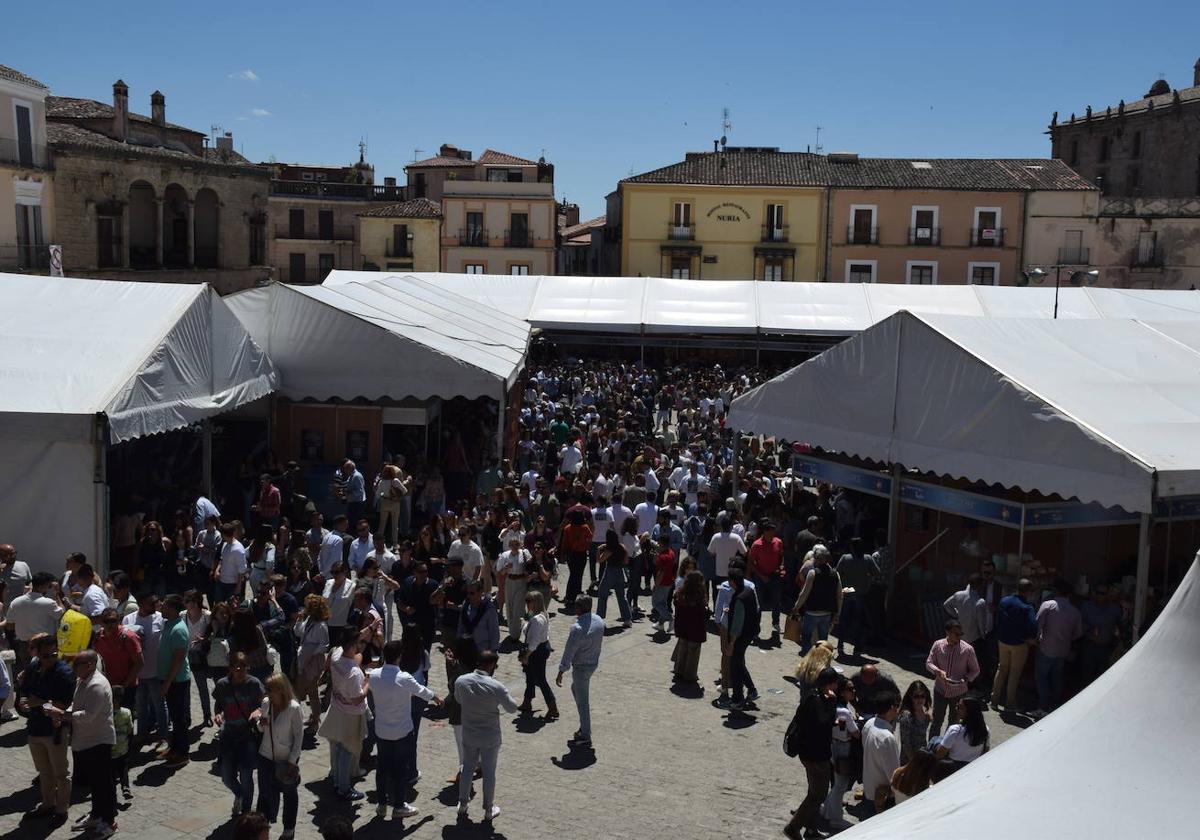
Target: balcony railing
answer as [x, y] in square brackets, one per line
[473, 237]
[775, 233]
[25, 154]
[925, 236]
[24, 258]
[681, 233]
[1074, 256]
[329, 189]
[1147, 259]
[399, 249]
[337, 233]
[862, 235]
[518, 239]
[987, 237]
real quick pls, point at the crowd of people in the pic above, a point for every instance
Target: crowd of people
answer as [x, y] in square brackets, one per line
[625, 483]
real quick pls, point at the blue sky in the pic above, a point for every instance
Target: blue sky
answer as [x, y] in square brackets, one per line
[609, 89]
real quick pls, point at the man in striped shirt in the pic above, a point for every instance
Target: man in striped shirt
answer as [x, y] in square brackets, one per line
[953, 664]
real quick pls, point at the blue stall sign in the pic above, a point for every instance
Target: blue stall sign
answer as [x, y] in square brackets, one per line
[853, 478]
[1177, 509]
[1075, 515]
[971, 505]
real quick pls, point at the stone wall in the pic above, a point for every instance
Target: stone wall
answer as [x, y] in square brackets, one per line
[86, 181]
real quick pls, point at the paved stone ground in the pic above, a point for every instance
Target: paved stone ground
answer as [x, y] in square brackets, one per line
[664, 763]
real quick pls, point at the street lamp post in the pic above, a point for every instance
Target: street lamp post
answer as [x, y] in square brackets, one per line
[1077, 278]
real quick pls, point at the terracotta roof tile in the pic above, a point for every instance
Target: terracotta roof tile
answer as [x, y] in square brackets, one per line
[439, 161]
[73, 108]
[17, 76]
[417, 208]
[66, 135]
[802, 169]
[583, 227]
[493, 157]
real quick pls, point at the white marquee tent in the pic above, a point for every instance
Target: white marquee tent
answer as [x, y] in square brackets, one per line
[657, 305]
[383, 336]
[1103, 411]
[87, 363]
[1115, 761]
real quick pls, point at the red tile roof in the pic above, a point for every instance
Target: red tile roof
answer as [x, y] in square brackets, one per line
[583, 228]
[17, 76]
[417, 208]
[439, 161]
[73, 108]
[493, 157]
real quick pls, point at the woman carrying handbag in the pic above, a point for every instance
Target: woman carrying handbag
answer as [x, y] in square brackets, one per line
[279, 754]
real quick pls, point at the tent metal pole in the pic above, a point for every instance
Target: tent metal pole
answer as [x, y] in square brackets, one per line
[501, 426]
[1021, 539]
[206, 452]
[894, 509]
[1167, 556]
[737, 458]
[100, 494]
[1143, 575]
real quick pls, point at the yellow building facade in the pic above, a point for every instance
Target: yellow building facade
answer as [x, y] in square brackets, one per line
[707, 232]
[402, 237]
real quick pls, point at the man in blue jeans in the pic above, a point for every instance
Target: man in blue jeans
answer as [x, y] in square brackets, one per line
[237, 699]
[581, 655]
[854, 570]
[1059, 625]
[151, 706]
[820, 599]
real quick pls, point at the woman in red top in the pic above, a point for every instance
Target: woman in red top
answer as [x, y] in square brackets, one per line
[664, 585]
[691, 616]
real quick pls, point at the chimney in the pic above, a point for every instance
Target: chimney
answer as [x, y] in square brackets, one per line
[120, 127]
[158, 108]
[1196, 73]
[389, 181]
[448, 150]
[225, 142]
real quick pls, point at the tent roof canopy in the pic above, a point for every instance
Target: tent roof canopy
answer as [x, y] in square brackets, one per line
[1064, 761]
[665, 305]
[1102, 410]
[150, 356]
[379, 335]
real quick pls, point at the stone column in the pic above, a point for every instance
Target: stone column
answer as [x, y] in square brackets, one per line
[126, 211]
[191, 233]
[158, 232]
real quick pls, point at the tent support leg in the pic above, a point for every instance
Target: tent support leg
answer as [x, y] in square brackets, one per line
[1167, 558]
[100, 495]
[1143, 577]
[206, 453]
[501, 425]
[737, 458]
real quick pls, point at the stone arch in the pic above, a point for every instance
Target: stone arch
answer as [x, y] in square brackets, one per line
[175, 226]
[207, 228]
[143, 225]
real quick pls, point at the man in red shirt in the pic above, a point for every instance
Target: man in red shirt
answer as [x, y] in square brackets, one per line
[766, 563]
[269, 501]
[665, 568]
[121, 651]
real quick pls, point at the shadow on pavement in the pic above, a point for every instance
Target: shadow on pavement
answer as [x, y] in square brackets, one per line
[576, 758]
[464, 829]
[529, 723]
[688, 691]
[739, 720]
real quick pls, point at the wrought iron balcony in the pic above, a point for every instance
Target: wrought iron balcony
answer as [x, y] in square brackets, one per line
[681, 233]
[987, 237]
[924, 236]
[1074, 256]
[29, 155]
[862, 235]
[775, 233]
[473, 237]
[338, 233]
[518, 239]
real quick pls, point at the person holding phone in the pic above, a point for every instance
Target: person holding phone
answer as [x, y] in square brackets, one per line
[953, 664]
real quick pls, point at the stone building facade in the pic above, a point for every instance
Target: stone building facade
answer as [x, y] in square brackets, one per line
[26, 175]
[137, 197]
[1146, 147]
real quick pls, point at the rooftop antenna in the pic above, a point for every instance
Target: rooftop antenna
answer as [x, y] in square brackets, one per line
[417, 154]
[726, 125]
[817, 147]
[362, 150]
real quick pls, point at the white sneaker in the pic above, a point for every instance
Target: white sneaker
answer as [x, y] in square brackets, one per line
[86, 821]
[491, 813]
[403, 811]
[462, 809]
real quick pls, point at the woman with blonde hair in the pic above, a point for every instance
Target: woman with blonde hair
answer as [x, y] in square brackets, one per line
[312, 631]
[279, 754]
[535, 653]
[389, 493]
[819, 657]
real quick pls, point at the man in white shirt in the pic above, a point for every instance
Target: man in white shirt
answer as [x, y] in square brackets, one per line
[394, 691]
[15, 573]
[725, 545]
[466, 549]
[202, 510]
[95, 599]
[529, 479]
[570, 458]
[652, 483]
[617, 514]
[881, 751]
[691, 483]
[602, 486]
[970, 608]
[339, 592]
[332, 546]
[481, 696]
[32, 613]
[511, 567]
[647, 516]
[229, 577]
[361, 547]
